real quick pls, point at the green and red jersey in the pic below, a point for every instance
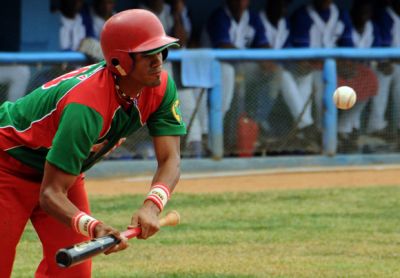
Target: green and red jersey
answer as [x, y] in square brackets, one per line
[73, 120]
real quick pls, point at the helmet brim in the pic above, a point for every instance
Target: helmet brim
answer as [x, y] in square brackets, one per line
[160, 49]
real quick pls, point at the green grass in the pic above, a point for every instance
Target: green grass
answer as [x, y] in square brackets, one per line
[293, 233]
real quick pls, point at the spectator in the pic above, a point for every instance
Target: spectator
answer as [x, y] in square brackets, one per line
[72, 31]
[234, 25]
[388, 21]
[318, 25]
[194, 105]
[357, 75]
[95, 15]
[93, 18]
[277, 31]
[162, 10]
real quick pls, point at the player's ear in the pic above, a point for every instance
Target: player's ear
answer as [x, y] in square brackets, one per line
[133, 58]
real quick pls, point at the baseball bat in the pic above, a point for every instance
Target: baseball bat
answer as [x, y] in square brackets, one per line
[75, 254]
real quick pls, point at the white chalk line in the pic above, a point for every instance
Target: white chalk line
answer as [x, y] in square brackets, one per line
[289, 170]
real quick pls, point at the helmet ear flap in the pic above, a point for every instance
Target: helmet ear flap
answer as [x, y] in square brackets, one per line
[117, 66]
[122, 65]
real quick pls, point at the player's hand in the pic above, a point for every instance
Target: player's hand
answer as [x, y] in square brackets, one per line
[347, 69]
[269, 66]
[103, 230]
[147, 219]
[303, 67]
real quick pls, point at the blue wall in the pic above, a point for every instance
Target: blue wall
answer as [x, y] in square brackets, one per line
[39, 29]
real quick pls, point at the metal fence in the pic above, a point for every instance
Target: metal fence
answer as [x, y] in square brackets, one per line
[257, 102]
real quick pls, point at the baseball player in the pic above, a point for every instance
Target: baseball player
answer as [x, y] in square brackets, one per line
[277, 31]
[358, 75]
[49, 138]
[388, 71]
[319, 24]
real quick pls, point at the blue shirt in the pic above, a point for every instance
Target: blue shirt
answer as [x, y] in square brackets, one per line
[248, 33]
[387, 27]
[304, 32]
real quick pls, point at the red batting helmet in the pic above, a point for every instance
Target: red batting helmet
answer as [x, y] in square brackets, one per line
[132, 31]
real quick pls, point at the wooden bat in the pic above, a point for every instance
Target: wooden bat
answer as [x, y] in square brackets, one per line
[72, 255]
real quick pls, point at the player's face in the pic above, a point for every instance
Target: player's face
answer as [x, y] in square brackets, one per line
[277, 8]
[365, 13]
[322, 4]
[237, 7]
[155, 5]
[147, 69]
[104, 8]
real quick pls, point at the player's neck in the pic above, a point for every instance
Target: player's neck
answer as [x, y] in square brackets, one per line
[129, 88]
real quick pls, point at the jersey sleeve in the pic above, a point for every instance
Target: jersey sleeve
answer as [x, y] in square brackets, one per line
[167, 119]
[78, 130]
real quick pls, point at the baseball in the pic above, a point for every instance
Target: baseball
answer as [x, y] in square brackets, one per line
[344, 97]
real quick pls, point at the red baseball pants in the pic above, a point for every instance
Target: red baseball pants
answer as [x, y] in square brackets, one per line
[19, 202]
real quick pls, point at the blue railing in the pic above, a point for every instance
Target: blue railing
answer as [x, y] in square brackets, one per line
[215, 114]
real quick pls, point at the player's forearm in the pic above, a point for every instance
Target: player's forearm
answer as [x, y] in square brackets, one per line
[58, 205]
[54, 191]
[168, 170]
[168, 173]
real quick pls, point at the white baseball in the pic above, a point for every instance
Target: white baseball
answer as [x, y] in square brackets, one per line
[344, 97]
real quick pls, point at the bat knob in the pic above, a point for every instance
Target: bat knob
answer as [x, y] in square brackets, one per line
[63, 258]
[171, 219]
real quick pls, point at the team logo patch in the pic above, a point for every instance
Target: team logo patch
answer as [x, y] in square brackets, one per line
[176, 111]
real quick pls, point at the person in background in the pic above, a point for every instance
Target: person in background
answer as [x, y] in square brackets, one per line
[358, 75]
[277, 31]
[388, 72]
[319, 24]
[197, 120]
[162, 10]
[234, 26]
[93, 18]
[71, 34]
[49, 138]
[72, 31]
[95, 15]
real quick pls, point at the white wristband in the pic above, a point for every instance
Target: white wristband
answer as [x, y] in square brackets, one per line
[159, 194]
[84, 224]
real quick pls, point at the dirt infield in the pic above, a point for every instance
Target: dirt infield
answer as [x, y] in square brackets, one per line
[251, 182]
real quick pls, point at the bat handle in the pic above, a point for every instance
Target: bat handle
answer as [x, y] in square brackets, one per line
[131, 233]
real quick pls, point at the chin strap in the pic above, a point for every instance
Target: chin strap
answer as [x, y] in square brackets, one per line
[115, 63]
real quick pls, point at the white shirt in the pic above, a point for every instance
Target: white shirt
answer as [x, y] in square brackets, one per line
[72, 32]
